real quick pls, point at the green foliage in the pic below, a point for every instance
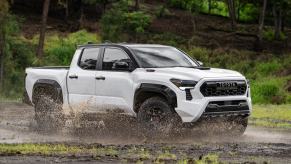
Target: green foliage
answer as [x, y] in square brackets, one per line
[268, 68]
[166, 39]
[219, 8]
[266, 85]
[191, 5]
[118, 21]
[18, 55]
[60, 50]
[269, 35]
[268, 91]
[162, 11]
[136, 21]
[248, 12]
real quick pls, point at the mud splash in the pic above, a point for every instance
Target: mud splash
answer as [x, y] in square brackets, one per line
[18, 126]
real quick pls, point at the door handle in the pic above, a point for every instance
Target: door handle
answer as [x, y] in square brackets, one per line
[100, 78]
[73, 76]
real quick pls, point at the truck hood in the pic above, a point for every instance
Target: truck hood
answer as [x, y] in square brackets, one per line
[197, 74]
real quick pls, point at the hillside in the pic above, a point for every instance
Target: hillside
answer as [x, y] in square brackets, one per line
[206, 36]
[201, 29]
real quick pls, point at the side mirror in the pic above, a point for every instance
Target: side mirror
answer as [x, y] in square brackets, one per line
[200, 63]
[120, 65]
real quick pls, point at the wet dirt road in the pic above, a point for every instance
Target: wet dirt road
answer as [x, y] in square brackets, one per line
[257, 144]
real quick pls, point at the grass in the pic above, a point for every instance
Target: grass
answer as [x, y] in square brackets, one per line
[97, 152]
[276, 116]
[57, 149]
[8, 99]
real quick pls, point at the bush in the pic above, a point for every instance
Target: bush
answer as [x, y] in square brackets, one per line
[22, 56]
[119, 21]
[136, 22]
[268, 91]
[60, 50]
[18, 54]
[268, 68]
[201, 54]
[186, 4]
[164, 38]
[270, 35]
[162, 11]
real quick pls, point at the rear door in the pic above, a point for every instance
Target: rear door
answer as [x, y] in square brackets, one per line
[81, 79]
[114, 87]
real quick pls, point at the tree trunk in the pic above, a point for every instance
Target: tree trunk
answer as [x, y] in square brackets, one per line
[262, 20]
[2, 42]
[81, 20]
[1, 72]
[277, 12]
[238, 10]
[46, 5]
[209, 6]
[104, 6]
[67, 10]
[136, 4]
[231, 10]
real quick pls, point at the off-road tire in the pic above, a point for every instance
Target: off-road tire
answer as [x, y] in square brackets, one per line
[169, 123]
[48, 114]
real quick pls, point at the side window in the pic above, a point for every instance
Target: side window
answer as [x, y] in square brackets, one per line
[115, 59]
[89, 58]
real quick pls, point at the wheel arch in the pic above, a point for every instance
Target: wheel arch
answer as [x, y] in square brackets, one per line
[49, 87]
[147, 90]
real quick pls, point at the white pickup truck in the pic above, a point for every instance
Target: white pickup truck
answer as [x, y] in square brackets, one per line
[154, 83]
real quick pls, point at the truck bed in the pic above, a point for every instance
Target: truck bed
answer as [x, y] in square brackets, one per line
[55, 73]
[52, 67]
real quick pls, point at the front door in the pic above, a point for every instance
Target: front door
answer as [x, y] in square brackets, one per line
[114, 86]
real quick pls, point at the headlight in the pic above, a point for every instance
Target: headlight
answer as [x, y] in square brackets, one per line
[184, 84]
[248, 82]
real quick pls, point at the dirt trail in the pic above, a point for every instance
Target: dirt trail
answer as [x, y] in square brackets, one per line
[17, 126]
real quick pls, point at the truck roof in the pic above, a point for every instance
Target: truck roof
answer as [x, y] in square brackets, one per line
[130, 45]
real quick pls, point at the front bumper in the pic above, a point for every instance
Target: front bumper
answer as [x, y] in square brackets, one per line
[219, 106]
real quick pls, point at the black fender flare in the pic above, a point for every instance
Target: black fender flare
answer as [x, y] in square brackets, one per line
[56, 91]
[167, 92]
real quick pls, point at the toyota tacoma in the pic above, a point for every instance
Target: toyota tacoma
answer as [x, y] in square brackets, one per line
[154, 83]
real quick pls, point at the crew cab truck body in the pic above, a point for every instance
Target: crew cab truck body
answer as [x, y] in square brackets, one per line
[132, 78]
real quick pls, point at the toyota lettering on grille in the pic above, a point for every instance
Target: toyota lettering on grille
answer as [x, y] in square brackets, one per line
[226, 85]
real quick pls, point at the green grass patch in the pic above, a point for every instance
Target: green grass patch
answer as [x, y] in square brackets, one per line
[269, 90]
[277, 116]
[132, 153]
[57, 149]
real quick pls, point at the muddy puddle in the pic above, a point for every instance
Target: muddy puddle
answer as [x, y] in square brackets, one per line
[17, 126]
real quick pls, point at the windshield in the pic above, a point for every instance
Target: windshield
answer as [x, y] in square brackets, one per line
[159, 57]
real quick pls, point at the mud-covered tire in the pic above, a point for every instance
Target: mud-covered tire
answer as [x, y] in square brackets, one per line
[48, 114]
[156, 117]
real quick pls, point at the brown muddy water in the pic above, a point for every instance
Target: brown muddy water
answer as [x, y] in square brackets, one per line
[258, 145]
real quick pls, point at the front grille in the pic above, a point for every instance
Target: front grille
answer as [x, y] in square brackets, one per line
[227, 108]
[223, 88]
